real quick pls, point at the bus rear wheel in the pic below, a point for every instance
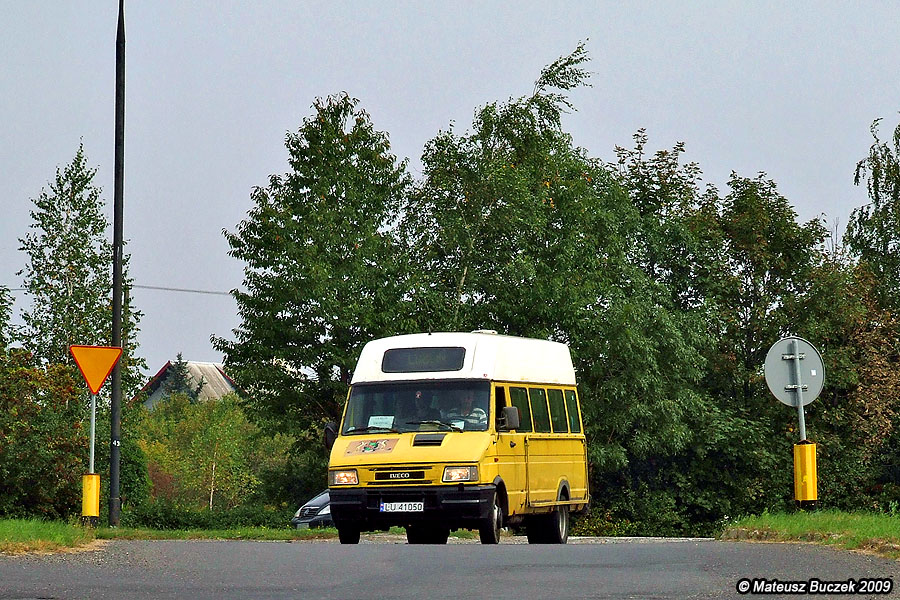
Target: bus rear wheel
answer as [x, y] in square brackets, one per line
[552, 528]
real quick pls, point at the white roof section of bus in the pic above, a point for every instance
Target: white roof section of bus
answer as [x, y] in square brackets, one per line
[488, 356]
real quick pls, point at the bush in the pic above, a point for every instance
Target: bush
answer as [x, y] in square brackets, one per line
[165, 515]
[42, 442]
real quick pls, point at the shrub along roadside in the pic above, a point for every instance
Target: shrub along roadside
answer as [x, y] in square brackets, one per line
[872, 532]
[236, 533]
[167, 516]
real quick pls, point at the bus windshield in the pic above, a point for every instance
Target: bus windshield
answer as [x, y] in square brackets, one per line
[458, 405]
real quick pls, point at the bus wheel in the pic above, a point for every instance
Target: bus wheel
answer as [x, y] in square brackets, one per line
[558, 528]
[551, 528]
[489, 530]
[348, 535]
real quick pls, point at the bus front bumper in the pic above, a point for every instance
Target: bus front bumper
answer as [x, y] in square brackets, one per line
[456, 506]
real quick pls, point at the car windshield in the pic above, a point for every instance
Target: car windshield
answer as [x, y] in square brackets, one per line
[459, 405]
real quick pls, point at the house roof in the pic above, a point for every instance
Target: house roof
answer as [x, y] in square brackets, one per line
[216, 382]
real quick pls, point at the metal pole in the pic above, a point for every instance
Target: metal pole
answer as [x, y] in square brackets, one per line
[799, 389]
[115, 502]
[93, 428]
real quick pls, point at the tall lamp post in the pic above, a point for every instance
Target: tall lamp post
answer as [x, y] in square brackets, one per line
[115, 501]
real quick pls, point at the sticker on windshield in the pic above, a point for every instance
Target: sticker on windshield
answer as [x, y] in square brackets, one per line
[458, 423]
[383, 421]
[370, 447]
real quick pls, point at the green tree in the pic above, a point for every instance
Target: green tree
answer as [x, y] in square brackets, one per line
[320, 277]
[873, 233]
[179, 380]
[216, 460]
[68, 273]
[42, 443]
[670, 487]
[68, 268]
[208, 454]
[855, 420]
[755, 290]
[666, 193]
[767, 259]
[6, 304]
[734, 273]
[490, 218]
[515, 228]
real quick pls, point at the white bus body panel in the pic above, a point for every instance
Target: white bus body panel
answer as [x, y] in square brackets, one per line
[488, 356]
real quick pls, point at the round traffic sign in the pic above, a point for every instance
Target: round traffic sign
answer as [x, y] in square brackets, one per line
[781, 376]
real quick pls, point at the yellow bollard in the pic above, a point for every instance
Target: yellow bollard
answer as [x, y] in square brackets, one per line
[90, 498]
[806, 484]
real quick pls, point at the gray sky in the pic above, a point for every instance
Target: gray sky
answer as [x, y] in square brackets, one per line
[212, 88]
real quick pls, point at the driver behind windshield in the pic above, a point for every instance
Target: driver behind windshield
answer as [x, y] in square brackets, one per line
[468, 410]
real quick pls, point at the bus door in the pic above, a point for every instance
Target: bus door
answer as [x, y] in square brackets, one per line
[512, 449]
[543, 450]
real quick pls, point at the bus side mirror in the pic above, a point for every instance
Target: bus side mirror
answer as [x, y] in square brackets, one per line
[329, 435]
[509, 418]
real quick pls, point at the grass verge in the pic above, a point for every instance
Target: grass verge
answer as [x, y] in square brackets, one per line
[18, 536]
[872, 532]
[239, 533]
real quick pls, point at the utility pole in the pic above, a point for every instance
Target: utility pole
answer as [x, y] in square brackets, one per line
[115, 501]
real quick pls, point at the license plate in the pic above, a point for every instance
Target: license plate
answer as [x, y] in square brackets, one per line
[402, 506]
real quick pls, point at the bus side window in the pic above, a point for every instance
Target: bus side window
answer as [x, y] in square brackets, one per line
[557, 411]
[539, 410]
[499, 402]
[519, 398]
[572, 406]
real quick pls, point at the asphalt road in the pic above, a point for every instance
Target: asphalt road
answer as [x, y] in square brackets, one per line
[387, 568]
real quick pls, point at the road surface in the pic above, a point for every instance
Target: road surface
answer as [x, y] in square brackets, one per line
[385, 567]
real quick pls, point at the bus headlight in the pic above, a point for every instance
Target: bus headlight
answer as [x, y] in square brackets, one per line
[346, 477]
[456, 474]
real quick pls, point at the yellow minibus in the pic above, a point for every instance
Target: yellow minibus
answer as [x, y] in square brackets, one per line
[447, 431]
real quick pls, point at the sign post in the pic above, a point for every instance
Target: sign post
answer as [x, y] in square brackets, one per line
[795, 375]
[95, 364]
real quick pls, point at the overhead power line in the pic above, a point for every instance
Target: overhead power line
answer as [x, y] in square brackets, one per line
[183, 290]
[157, 287]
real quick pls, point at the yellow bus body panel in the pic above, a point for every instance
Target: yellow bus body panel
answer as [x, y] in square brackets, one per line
[533, 469]
[398, 450]
[552, 460]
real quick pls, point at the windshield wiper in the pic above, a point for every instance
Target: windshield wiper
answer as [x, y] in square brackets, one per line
[372, 428]
[448, 426]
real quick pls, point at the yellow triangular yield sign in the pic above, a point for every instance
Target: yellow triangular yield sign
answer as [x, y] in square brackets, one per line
[95, 363]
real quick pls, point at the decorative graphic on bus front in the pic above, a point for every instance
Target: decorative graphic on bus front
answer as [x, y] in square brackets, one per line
[370, 447]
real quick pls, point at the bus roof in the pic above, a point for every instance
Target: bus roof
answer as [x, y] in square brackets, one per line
[481, 355]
